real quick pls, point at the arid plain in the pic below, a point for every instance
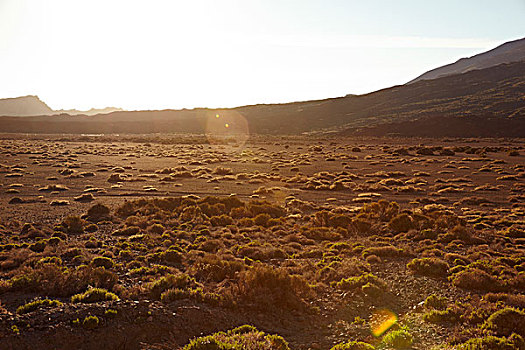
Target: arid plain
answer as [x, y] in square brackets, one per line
[151, 242]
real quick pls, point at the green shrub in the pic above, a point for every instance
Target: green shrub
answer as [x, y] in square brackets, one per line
[111, 313]
[441, 316]
[247, 339]
[477, 279]
[245, 328]
[102, 261]
[170, 281]
[435, 302]
[353, 283]
[50, 260]
[506, 321]
[353, 345]
[494, 343]
[399, 339]
[197, 294]
[53, 280]
[90, 322]
[94, 295]
[32, 306]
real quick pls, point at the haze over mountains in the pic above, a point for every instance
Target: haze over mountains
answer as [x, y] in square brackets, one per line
[31, 105]
[483, 95]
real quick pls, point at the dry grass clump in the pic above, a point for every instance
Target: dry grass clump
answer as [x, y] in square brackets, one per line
[85, 197]
[212, 268]
[265, 287]
[73, 225]
[59, 202]
[53, 187]
[429, 267]
[53, 280]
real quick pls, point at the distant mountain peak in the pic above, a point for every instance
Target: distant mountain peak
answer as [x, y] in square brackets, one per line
[92, 111]
[24, 106]
[32, 105]
[511, 51]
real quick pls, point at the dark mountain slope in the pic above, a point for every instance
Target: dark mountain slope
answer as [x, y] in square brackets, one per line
[496, 92]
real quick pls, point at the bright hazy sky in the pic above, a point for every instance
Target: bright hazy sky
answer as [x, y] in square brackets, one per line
[154, 54]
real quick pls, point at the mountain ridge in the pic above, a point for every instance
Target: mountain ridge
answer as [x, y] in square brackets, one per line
[508, 52]
[496, 92]
[32, 105]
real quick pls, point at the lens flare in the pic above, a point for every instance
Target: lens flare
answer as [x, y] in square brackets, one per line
[382, 320]
[227, 127]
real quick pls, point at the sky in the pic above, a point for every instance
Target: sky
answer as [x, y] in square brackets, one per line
[223, 53]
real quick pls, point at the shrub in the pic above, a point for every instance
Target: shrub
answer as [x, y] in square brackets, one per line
[353, 345]
[262, 219]
[156, 228]
[266, 287]
[212, 268]
[90, 322]
[246, 328]
[428, 267]
[435, 302]
[398, 339]
[507, 321]
[94, 295]
[98, 211]
[385, 251]
[102, 261]
[493, 343]
[39, 246]
[441, 316]
[401, 223]
[73, 224]
[32, 306]
[53, 280]
[221, 220]
[110, 313]
[127, 231]
[171, 257]
[91, 228]
[516, 300]
[248, 339]
[180, 281]
[197, 294]
[476, 279]
[353, 283]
